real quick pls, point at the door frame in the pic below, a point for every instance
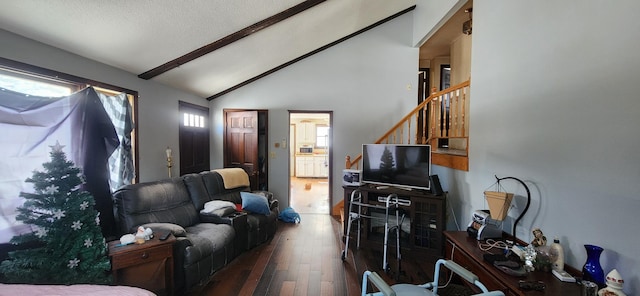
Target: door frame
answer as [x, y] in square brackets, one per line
[330, 193]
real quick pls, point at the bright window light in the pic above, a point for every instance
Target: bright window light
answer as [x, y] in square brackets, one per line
[33, 87]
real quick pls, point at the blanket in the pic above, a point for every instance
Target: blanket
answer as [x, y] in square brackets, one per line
[72, 290]
[233, 177]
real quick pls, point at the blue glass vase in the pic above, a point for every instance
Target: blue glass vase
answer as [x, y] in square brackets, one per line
[592, 270]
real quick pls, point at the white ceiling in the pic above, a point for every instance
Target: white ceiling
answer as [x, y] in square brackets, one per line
[137, 36]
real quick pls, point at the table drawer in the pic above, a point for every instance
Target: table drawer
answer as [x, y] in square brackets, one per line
[140, 256]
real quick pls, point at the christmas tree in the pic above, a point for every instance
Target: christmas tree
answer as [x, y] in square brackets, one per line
[387, 163]
[69, 245]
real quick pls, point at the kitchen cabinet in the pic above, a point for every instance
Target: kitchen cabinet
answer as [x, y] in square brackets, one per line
[312, 166]
[321, 166]
[306, 133]
[304, 166]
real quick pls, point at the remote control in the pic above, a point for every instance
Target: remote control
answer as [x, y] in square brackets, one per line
[165, 235]
[564, 276]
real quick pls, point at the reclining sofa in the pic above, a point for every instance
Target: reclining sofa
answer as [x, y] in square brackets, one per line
[206, 239]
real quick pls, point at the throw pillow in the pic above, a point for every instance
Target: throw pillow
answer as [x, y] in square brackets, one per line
[255, 203]
[218, 204]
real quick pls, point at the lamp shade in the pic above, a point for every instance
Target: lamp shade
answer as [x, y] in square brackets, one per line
[499, 203]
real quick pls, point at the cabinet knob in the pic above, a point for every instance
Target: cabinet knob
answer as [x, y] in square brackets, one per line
[145, 255]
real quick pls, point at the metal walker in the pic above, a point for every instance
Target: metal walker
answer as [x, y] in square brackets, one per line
[359, 210]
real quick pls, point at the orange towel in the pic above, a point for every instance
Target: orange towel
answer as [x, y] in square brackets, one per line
[233, 177]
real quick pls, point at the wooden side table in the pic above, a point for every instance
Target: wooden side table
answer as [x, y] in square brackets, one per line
[464, 250]
[148, 266]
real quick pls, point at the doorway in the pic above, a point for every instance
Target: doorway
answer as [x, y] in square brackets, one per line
[193, 138]
[310, 161]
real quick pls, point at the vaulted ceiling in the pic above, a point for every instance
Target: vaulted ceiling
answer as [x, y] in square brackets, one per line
[207, 48]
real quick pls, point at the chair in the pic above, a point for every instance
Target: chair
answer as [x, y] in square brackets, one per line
[428, 289]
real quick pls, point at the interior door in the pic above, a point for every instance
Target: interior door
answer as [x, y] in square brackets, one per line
[241, 143]
[193, 138]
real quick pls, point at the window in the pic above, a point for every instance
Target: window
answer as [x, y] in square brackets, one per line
[41, 108]
[36, 81]
[193, 120]
[322, 136]
[32, 85]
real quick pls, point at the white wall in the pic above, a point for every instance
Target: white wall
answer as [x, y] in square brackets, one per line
[158, 105]
[555, 89]
[363, 81]
[429, 15]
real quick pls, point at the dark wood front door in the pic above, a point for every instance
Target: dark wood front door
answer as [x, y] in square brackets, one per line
[194, 138]
[241, 143]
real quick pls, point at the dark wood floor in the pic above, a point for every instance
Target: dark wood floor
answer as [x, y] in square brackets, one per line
[305, 259]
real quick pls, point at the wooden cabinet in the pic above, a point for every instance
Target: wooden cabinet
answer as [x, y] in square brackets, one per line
[138, 265]
[464, 250]
[425, 214]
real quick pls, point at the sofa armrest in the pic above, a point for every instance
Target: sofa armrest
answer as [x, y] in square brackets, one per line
[219, 216]
[175, 229]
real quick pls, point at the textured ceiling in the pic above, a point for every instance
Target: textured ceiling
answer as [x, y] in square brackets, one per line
[137, 36]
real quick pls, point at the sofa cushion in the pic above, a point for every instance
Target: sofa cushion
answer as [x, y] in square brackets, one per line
[164, 201]
[215, 188]
[255, 203]
[197, 190]
[206, 238]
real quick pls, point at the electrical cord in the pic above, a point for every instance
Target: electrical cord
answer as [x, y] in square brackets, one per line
[453, 248]
[490, 244]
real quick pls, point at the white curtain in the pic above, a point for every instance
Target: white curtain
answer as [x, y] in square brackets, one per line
[30, 124]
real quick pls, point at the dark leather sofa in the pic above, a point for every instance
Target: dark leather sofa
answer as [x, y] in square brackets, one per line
[206, 242]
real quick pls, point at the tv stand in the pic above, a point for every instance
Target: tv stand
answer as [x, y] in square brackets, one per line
[425, 212]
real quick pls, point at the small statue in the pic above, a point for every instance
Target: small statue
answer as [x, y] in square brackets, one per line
[143, 234]
[538, 238]
[614, 285]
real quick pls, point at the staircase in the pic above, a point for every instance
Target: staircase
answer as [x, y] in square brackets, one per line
[441, 121]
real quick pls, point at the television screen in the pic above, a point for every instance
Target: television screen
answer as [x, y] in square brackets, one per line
[397, 165]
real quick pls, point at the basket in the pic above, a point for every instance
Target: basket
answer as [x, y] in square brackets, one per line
[499, 203]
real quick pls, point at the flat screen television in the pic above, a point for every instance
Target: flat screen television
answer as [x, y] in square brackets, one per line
[404, 166]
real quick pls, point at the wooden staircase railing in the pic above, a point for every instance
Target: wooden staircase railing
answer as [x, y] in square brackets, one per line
[446, 118]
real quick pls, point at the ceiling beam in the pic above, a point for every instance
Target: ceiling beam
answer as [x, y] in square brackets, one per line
[241, 84]
[224, 41]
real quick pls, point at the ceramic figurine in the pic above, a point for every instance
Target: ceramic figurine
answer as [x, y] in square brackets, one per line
[143, 234]
[614, 285]
[538, 238]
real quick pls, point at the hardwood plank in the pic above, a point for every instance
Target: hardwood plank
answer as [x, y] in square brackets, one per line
[288, 288]
[274, 286]
[326, 288]
[311, 251]
[302, 283]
